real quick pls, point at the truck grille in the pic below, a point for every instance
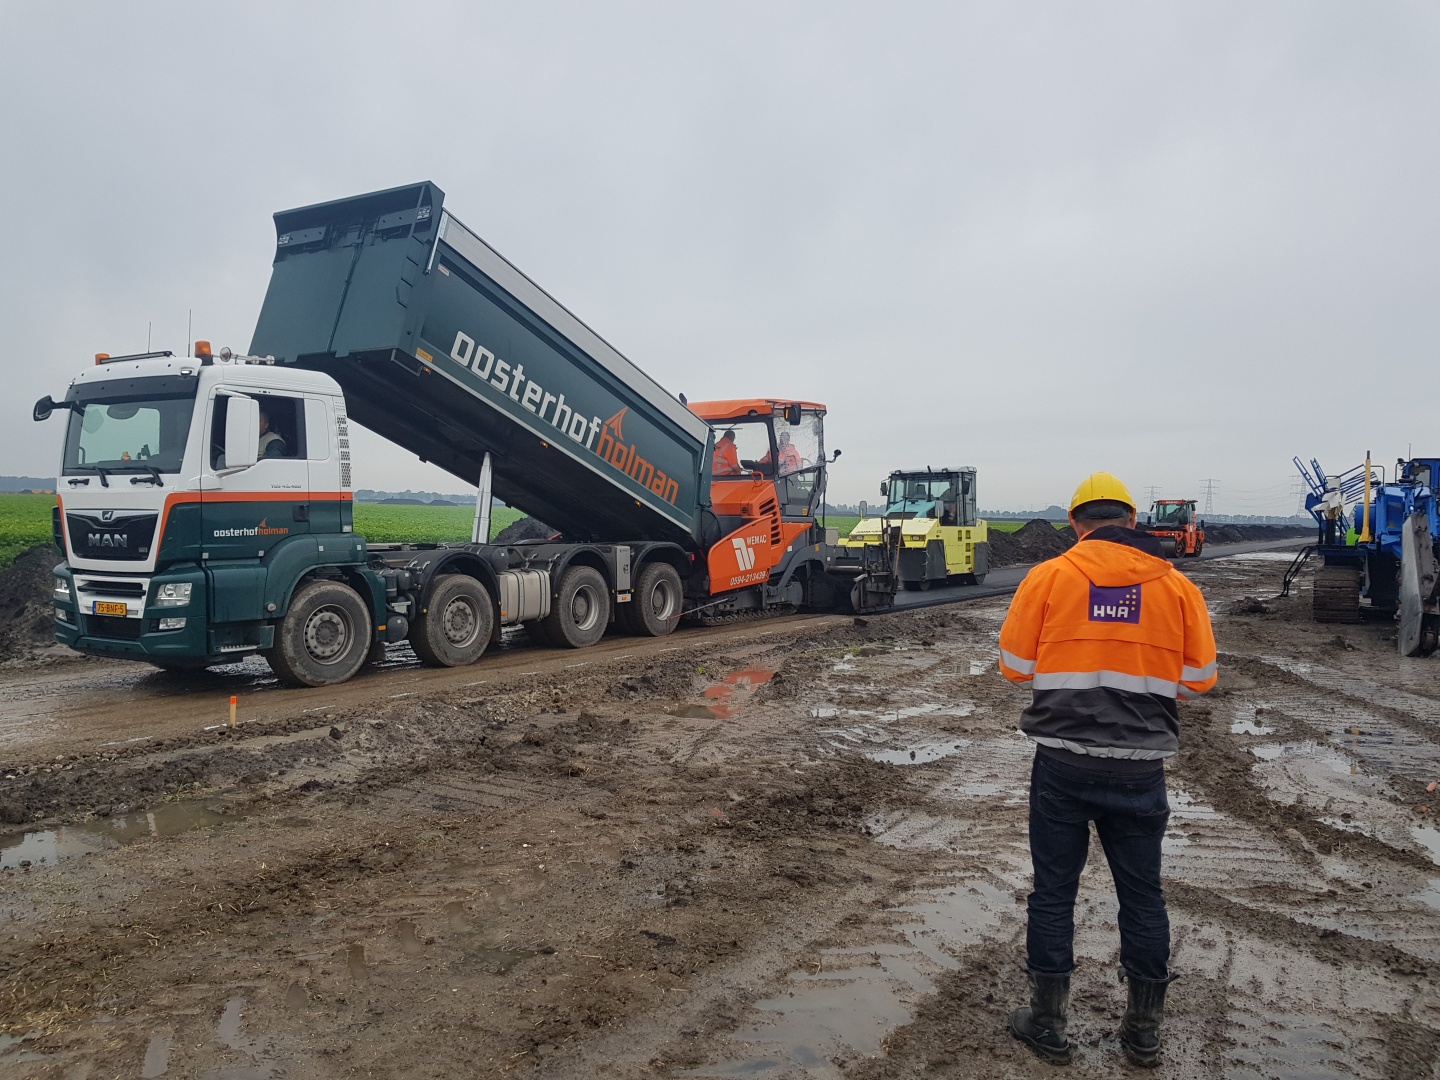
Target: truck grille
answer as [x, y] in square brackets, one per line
[123, 536]
[112, 627]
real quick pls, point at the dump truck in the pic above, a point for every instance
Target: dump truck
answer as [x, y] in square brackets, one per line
[205, 509]
[1174, 522]
[940, 535]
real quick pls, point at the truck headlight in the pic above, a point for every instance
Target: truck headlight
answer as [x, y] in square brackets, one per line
[172, 624]
[62, 589]
[173, 594]
[61, 615]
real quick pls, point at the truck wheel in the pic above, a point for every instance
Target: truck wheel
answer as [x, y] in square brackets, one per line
[455, 626]
[581, 610]
[324, 637]
[657, 601]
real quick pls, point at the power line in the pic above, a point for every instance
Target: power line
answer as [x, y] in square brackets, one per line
[1209, 485]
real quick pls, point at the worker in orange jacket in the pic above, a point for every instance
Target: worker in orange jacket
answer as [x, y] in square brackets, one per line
[726, 461]
[788, 456]
[1109, 636]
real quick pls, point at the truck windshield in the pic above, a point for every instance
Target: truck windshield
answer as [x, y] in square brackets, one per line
[128, 433]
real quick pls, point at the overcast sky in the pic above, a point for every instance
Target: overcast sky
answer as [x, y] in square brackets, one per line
[1177, 241]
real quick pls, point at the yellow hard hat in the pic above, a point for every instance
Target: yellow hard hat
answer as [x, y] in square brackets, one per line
[1102, 485]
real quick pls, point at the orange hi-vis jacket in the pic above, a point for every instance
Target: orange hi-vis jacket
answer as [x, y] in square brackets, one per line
[1108, 637]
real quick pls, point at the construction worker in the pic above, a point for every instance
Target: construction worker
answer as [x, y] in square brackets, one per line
[1108, 636]
[787, 455]
[726, 461]
[272, 444]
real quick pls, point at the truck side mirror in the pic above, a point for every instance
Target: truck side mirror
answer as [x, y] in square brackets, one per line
[835, 457]
[884, 489]
[864, 509]
[43, 408]
[242, 433]
[792, 415]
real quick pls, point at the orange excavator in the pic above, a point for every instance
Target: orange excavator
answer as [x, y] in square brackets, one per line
[770, 549]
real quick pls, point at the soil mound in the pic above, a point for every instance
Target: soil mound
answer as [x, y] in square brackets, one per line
[27, 618]
[1035, 541]
[1234, 534]
[527, 528]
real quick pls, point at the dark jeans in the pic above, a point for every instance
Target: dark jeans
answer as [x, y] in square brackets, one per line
[1130, 812]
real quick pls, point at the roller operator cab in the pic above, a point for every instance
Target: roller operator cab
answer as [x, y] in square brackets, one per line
[1175, 523]
[205, 502]
[941, 537]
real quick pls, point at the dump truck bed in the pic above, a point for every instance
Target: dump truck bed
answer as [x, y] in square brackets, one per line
[445, 348]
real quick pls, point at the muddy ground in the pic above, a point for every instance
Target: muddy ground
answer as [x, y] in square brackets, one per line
[1039, 539]
[785, 850]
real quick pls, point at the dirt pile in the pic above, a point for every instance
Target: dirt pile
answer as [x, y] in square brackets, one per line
[527, 528]
[1234, 534]
[27, 619]
[1033, 542]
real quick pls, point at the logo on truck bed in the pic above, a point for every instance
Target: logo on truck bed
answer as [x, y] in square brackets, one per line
[627, 459]
[610, 446]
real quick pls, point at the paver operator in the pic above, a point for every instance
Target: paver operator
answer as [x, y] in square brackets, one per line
[726, 461]
[1108, 635]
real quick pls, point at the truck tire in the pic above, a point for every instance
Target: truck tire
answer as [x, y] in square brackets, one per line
[656, 602]
[455, 626]
[581, 610]
[324, 638]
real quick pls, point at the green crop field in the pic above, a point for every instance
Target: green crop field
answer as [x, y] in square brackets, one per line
[24, 522]
[381, 523]
[1015, 526]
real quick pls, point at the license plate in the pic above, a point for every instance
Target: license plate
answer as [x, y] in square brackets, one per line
[105, 607]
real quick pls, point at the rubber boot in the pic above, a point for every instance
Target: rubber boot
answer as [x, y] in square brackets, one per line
[1140, 1030]
[1041, 1024]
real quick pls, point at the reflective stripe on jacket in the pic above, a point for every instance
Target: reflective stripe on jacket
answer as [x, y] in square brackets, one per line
[1108, 638]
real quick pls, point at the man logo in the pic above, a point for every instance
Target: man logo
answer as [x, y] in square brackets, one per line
[743, 555]
[107, 515]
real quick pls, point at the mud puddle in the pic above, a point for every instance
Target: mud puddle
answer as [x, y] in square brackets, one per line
[46, 847]
[725, 699]
[844, 1004]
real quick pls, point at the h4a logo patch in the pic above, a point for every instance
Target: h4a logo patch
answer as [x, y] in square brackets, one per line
[1120, 603]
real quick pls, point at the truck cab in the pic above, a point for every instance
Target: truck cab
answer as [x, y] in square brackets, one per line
[181, 541]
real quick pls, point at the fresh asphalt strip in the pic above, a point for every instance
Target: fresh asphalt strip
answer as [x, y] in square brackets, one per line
[1006, 580]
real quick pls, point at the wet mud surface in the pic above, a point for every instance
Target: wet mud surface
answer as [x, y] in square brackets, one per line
[794, 849]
